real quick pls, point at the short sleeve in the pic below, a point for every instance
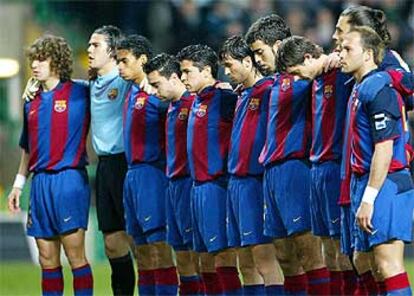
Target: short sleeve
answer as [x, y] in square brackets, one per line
[384, 113]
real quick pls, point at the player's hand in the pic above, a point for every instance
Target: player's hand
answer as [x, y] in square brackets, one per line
[332, 62]
[32, 86]
[223, 85]
[145, 86]
[364, 216]
[14, 200]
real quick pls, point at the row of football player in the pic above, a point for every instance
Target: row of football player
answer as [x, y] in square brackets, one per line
[201, 127]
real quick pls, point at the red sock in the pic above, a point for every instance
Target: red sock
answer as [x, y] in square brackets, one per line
[336, 282]
[52, 281]
[349, 282]
[82, 280]
[381, 288]
[190, 285]
[398, 285]
[318, 281]
[296, 284]
[360, 290]
[369, 282]
[146, 282]
[166, 281]
[211, 283]
[229, 277]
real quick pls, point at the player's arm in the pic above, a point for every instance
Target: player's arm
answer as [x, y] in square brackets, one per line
[23, 172]
[384, 113]
[19, 181]
[380, 163]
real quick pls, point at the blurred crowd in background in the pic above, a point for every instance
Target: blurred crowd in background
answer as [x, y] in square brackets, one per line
[173, 24]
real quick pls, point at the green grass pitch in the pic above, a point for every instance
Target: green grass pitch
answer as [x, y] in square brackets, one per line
[23, 279]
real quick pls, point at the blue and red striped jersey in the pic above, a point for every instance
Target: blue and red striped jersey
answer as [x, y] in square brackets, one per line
[144, 128]
[379, 115]
[345, 195]
[289, 124]
[176, 132]
[208, 133]
[249, 129]
[329, 99]
[56, 125]
[391, 63]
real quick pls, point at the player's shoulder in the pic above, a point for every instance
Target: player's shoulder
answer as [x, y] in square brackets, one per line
[372, 85]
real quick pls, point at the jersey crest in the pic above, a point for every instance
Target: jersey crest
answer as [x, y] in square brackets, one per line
[328, 91]
[285, 84]
[60, 106]
[202, 111]
[112, 94]
[140, 103]
[254, 104]
[183, 114]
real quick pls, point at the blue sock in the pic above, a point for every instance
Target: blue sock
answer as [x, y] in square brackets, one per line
[146, 282]
[275, 290]
[254, 290]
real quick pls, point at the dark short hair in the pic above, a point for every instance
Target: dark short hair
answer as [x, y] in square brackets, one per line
[112, 35]
[237, 48]
[370, 17]
[268, 29]
[292, 52]
[371, 40]
[165, 64]
[137, 44]
[57, 49]
[201, 56]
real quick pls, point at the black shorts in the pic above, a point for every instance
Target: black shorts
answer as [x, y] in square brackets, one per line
[110, 175]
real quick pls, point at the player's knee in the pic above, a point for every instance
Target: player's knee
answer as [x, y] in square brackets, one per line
[361, 262]
[48, 259]
[344, 262]
[226, 258]
[116, 244]
[389, 267]
[76, 257]
[309, 249]
[163, 255]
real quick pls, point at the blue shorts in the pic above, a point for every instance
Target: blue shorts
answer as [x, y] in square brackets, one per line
[325, 189]
[178, 209]
[144, 201]
[245, 203]
[286, 191]
[59, 203]
[347, 224]
[393, 210]
[209, 216]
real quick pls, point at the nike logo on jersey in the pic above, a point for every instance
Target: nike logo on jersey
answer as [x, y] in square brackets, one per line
[67, 219]
[146, 219]
[335, 220]
[188, 230]
[297, 219]
[374, 232]
[213, 239]
[247, 233]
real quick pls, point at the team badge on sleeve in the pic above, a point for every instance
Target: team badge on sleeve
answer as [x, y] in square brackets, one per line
[140, 103]
[285, 84]
[183, 114]
[380, 121]
[328, 91]
[254, 104]
[202, 111]
[112, 94]
[60, 106]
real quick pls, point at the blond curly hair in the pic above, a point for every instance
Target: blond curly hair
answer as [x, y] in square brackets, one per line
[57, 49]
